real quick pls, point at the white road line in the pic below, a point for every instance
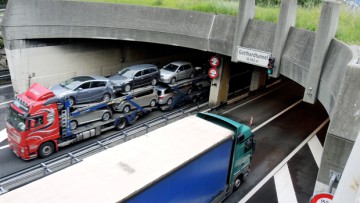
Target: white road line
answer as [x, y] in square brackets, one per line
[284, 187]
[3, 135]
[278, 167]
[316, 149]
[225, 112]
[277, 115]
[6, 102]
[5, 86]
[3, 147]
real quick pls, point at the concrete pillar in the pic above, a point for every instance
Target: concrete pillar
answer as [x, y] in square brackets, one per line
[246, 12]
[325, 33]
[348, 189]
[343, 129]
[258, 79]
[287, 19]
[220, 86]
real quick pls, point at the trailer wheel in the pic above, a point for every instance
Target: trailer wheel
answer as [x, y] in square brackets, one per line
[46, 149]
[238, 181]
[121, 124]
[126, 109]
[153, 103]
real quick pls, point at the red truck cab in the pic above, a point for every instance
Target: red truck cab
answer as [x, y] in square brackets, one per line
[32, 125]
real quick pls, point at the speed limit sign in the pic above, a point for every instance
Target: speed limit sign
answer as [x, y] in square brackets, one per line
[213, 73]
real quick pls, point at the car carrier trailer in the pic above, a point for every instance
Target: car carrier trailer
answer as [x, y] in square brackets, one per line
[38, 125]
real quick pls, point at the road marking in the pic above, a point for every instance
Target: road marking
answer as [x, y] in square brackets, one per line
[279, 166]
[6, 102]
[316, 149]
[5, 86]
[225, 112]
[3, 136]
[277, 115]
[284, 187]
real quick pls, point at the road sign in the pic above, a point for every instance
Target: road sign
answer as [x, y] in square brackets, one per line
[322, 198]
[214, 61]
[253, 56]
[213, 73]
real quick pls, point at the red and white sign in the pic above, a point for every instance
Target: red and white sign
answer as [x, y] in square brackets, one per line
[214, 61]
[322, 198]
[213, 73]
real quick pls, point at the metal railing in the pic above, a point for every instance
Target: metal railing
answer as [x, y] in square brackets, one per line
[43, 169]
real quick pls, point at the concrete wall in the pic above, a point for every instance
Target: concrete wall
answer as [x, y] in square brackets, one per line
[41, 62]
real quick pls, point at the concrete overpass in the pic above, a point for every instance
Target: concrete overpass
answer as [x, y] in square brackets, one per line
[326, 67]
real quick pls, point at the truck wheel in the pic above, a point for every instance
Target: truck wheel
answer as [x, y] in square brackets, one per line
[73, 125]
[173, 80]
[46, 149]
[106, 97]
[153, 82]
[106, 116]
[153, 103]
[238, 181]
[121, 124]
[127, 87]
[169, 101]
[126, 109]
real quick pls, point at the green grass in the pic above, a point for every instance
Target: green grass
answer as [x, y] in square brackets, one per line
[307, 18]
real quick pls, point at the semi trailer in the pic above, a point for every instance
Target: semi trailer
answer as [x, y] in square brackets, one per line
[200, 158]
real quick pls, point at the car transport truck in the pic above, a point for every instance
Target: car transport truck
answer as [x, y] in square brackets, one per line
[38, 124]
[200, 158]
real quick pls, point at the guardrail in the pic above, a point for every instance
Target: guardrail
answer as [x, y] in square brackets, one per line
[41, 170]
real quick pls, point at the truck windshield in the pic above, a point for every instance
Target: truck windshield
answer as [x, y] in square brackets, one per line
[16, 120]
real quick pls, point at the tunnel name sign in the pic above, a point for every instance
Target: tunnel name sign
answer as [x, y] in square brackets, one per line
[252, 56]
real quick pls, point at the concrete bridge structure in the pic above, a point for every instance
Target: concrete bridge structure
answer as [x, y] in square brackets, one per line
[327, 68]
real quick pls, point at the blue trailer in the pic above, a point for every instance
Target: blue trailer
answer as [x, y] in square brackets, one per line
[200, 158]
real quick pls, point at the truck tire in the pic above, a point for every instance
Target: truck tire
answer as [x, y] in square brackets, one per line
[46, 149]
[121, 124]
[238, 181]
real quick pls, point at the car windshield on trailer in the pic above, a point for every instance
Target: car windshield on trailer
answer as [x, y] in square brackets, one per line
[171, 67]
[73, 83]
[127, 73]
